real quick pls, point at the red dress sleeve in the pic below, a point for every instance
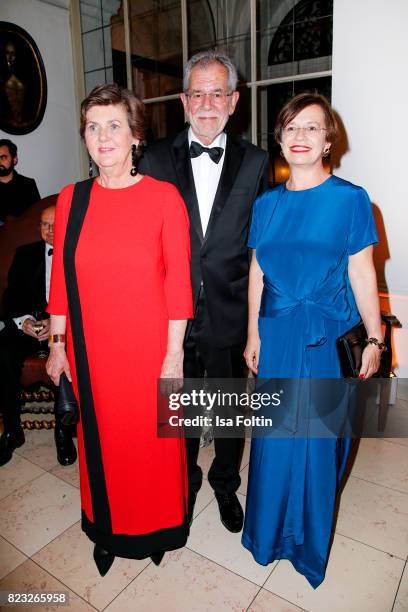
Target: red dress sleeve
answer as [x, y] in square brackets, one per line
[57, 303]
[176, 255]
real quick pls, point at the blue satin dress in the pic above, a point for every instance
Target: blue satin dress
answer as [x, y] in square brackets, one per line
[302, 241]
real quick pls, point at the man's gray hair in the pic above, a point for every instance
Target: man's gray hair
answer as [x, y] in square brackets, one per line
[205, 59]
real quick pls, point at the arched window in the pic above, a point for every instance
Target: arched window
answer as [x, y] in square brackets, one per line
[280, 48]
[306, 32]
[300, 44]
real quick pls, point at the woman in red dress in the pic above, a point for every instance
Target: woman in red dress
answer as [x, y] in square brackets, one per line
[121, 296]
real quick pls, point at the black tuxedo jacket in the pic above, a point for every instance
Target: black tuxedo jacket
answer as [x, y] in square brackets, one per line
[220, 259]
[25, 290]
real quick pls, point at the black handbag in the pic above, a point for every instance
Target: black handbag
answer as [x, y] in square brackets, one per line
[350, 348]
[67, 405]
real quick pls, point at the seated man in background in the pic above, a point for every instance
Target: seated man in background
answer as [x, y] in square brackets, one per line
[27, 295]
[17, 192]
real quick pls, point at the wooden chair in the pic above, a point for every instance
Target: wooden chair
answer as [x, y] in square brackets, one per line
[14, 233]
[386, 372]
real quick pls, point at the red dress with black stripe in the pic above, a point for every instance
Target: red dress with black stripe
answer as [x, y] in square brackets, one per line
[132, 266]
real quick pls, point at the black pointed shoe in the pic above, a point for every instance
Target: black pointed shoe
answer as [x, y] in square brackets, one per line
[66, 451]
[103, 559]
[232, 515]
[157, 557]
[9, 441]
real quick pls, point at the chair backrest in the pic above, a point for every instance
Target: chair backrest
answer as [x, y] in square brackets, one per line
[18, 231]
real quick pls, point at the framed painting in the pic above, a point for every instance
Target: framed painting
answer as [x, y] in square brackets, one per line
[23, 83]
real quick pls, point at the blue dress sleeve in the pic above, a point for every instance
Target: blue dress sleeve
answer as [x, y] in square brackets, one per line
[362, 231]
[252, 238]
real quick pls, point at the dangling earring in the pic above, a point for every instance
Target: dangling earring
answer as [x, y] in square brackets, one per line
[326, 152]
[133, 171]
[90, 167]
[281, 154]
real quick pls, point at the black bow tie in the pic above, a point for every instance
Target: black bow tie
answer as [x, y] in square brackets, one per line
[215, 153]
[50, 251]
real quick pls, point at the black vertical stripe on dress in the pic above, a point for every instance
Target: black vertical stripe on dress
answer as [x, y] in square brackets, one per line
[92, 445]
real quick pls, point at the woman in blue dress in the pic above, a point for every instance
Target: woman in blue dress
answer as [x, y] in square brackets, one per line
[311, 280]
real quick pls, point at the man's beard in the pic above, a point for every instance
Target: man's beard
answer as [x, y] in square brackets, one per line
[6, 171]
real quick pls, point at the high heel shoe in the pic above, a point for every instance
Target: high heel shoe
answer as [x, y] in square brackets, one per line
[157, 557]
[103, 559]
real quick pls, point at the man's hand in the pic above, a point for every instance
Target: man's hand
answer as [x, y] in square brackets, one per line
[30, 328]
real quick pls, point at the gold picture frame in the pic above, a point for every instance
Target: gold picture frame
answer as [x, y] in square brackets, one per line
[23, 82]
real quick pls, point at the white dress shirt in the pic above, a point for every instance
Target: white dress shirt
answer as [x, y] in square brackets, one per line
[206, 175]
[48, 263]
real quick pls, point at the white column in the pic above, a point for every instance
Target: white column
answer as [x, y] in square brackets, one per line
[370, 93]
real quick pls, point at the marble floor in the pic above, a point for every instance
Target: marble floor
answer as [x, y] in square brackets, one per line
[43, 549]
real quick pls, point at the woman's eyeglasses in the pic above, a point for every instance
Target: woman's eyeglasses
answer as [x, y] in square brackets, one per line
[309, 130]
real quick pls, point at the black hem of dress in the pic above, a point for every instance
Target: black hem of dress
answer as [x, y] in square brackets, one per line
[137, 546]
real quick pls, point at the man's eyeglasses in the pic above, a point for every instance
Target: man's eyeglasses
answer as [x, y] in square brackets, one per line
[310, 130]
[215, 96]
[46, 226]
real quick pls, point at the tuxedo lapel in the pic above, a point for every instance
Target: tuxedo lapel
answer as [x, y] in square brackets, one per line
[185, 180]
[232, 163]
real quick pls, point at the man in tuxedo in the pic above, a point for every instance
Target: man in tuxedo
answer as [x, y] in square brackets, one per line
[219, 178]
[17, 192]
[27, 291]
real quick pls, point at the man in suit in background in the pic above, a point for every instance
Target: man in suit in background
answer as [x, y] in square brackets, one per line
[219, 178]
[17, 192]
[27, 291]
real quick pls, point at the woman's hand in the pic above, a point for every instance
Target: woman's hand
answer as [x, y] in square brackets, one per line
[57, 363]
[251, 353]
[370, 361]
[172, 368]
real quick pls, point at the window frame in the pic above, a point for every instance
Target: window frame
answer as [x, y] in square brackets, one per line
[254, 84]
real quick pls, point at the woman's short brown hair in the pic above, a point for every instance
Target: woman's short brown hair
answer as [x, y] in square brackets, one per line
[296, 104]
[111, 93]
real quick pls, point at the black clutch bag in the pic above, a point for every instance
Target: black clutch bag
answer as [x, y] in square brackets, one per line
[67, 406]
[350, 348]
